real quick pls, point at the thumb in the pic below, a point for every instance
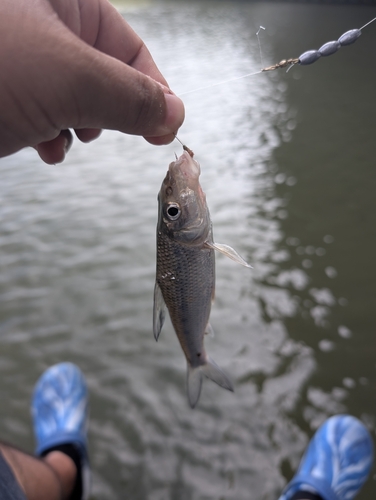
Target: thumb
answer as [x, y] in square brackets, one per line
[110, 94]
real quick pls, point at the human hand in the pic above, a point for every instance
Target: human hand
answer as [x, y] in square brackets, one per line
[77, 64]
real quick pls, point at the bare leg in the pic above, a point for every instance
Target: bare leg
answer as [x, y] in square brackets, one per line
[49, 478]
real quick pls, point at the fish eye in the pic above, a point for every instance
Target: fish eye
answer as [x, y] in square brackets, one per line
[173, 211]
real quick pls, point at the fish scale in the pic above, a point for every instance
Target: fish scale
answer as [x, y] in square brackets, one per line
[186, 277]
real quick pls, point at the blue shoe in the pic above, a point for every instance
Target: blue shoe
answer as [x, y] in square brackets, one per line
[60, 414]
[337, 461]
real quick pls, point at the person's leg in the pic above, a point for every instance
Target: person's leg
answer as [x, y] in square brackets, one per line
[49, 478]
[60, 412]
[336, 463]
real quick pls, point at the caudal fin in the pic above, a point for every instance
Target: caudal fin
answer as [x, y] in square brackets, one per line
[194, 379]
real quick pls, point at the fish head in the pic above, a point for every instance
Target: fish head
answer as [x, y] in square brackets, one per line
[183, 213]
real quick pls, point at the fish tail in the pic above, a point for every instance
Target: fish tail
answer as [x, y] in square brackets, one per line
[194, 379]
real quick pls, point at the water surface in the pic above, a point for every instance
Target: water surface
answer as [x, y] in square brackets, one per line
[288, 168]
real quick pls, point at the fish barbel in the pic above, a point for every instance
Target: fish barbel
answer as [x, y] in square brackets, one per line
[185, 277]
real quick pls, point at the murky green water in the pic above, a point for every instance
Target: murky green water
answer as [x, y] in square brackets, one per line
[288, 165]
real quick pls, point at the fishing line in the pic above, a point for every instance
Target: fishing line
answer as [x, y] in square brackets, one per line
[259, 44]
[186, 148]
[308, 57]
[220, 83]
[369, 22]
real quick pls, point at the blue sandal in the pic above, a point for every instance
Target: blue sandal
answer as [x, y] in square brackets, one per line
[337, 461]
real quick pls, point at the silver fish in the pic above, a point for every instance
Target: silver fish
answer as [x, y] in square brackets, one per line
[185, 278]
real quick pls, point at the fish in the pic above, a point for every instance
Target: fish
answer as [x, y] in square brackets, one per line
[185, 271]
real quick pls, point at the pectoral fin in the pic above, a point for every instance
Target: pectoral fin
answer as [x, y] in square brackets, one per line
[209, 330]
[159, 311]
[229, 252]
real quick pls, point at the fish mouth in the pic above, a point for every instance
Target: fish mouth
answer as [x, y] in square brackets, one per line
[185, 167]
[181, 183]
